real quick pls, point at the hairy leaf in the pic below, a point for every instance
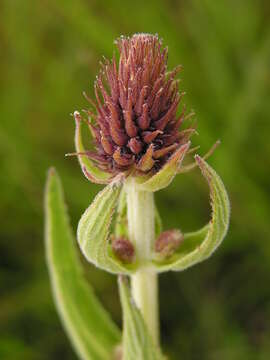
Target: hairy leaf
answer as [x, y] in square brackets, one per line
[199, 245]
[93, 231]
[137, 343]
[88, 325]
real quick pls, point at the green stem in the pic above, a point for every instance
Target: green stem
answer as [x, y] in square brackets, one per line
[141, 227]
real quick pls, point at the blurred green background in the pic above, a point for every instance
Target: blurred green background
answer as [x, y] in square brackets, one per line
[50, 52]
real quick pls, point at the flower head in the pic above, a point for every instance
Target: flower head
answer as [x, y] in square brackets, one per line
[136, 127]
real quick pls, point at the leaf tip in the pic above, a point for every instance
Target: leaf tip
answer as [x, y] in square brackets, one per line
[51, 175]
[51, 171]
[200, 162]
[204, 167]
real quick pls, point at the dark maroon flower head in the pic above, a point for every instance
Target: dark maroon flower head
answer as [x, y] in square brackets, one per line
[136, 127]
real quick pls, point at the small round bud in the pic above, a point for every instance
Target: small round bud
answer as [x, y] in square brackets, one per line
[123, 249]
[168, 242]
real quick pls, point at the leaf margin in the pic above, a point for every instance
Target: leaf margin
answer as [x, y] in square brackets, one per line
[83, 338]
[200, 241]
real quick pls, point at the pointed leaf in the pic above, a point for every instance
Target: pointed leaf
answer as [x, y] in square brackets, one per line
[166, 174]
[93, 231]
[90, 170]
[137, 343]
[88, 325]
[199, 245]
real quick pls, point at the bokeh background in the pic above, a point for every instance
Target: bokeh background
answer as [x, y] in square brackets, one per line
[50, 52]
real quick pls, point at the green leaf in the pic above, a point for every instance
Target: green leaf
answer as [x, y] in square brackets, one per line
[93, 231]
[137, 343]
[88, 325]
[90, 170]
[199, 245]
[166, 174]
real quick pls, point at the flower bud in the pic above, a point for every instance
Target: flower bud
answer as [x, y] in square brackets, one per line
[168, 242]
[123, 249]
[136, 127]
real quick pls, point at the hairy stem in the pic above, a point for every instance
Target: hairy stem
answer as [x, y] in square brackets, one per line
[141, 227]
